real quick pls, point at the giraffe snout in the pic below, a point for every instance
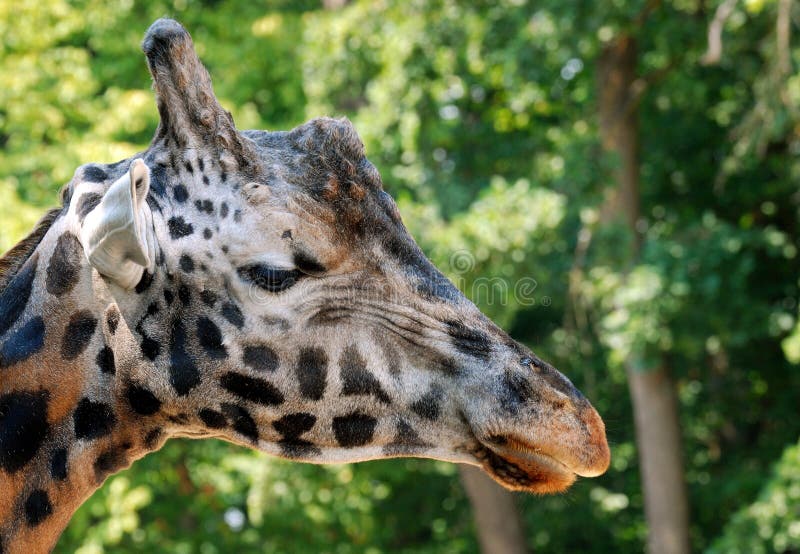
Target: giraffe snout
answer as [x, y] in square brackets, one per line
[596, 455]
[537, 430]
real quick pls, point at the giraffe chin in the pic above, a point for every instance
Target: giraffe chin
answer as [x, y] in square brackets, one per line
[519, 468]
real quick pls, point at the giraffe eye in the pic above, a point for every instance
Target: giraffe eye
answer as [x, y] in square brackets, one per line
[269, 278]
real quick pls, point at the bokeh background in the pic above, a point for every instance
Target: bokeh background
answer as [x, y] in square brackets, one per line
[636, 161]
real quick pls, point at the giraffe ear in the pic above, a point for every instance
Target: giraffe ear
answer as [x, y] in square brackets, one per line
[117, 235]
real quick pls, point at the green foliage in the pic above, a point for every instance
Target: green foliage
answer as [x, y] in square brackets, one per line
[772, 522]
[482, 118]
[211, 497]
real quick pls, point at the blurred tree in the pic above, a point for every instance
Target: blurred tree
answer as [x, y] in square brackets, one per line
[497, 520]
[652, 390]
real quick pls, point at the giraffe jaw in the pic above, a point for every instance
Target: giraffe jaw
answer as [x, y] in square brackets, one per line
[522, 467]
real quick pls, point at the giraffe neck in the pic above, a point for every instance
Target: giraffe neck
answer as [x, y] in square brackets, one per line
[62, 430]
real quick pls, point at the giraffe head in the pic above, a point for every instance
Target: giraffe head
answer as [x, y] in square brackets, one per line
[268, 293]
[258, 287]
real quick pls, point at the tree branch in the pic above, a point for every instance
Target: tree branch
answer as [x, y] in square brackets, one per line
[714, 52]
[782, 34]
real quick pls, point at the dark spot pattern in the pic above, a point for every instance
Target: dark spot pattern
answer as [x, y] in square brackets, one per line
[105, 360]
[23, 428]
[181, 418]
[94, 174]
[356, 380]
[14, 297]
[294, 425]
[184, 295]
[210, 338]
[208, 297]
[78, 334]
[233, 314]
[109, 462]
[158, 184]
[406, 441]
[23, 343]
[204, 206]
[152, 437]
[180, 193]
[144, 283]
[186, 263]
[183, 372]
[142, 400]
[207, 234]
[471, 342]
[37, 507]
[151, 348]
[58, 464]
[179, 228]
[447, 365]
[252, 389]
[354, 429]
[516, 390]
[63, 271]
[93, 419]
[223, 210]
[291, 426]
[427, 406]
[88, 202]
[212, 418]
[312, 372]
[112, 319]
[260, 358]
[242, 421]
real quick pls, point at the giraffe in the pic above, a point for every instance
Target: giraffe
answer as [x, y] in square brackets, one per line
[258, 287]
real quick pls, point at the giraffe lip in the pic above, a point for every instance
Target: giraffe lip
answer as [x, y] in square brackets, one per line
[522, 452]
[520, 466]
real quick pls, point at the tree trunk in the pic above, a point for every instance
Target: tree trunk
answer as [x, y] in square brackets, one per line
[496, 516]
[334, 4]
[652, 391]
[658, 436]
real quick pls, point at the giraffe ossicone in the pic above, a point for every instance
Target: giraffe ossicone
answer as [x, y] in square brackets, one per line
[258, 287]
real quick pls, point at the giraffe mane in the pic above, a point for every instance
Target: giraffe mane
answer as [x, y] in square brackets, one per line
[15, 258]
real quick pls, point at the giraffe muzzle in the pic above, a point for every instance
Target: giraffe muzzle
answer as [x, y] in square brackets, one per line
[550, 462]
[536, 431]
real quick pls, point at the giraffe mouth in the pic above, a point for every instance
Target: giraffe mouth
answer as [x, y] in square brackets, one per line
[523, 467]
